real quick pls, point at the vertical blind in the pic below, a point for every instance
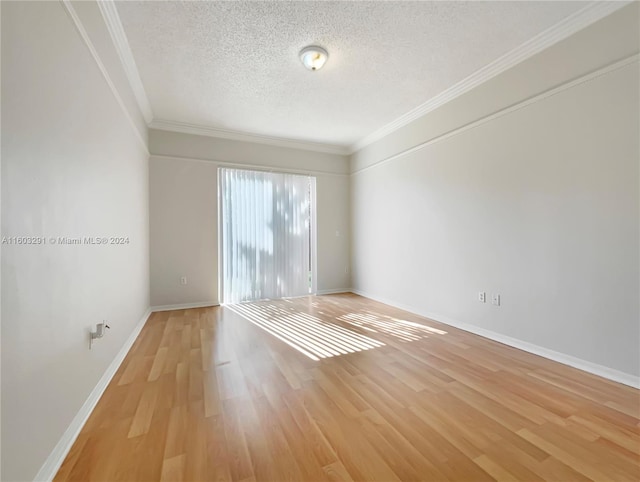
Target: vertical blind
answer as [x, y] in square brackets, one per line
[266, 234]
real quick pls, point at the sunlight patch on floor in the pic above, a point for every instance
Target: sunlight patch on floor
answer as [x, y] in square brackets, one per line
[309, 335]
[402, 329]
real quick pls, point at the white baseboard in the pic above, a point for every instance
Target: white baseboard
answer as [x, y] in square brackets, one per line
[50, 467]
[579, 363]
[184, 306]
[333, 292]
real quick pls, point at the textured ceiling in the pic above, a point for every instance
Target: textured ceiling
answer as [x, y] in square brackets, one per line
[235, 66]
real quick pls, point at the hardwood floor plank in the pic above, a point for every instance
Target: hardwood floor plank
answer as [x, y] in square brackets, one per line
[158, 364]
[217, 452]
[196, 443]
[176, 432]
[495, 470]
[337, 473]
[568, 457]
[240, 464]
[173, 469]
[320, 446]
[144, 413]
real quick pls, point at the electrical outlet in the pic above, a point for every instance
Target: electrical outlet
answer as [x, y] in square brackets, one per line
[482, 297]
[183, 280]
[495, 300]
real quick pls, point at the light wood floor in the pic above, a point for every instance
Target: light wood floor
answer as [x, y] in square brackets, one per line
[225, 394]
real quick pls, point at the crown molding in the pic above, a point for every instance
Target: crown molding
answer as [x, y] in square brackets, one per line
[73, 15]
[114, 25]
[199, 130]
[554, 34]
[250, 166]
[635, 58]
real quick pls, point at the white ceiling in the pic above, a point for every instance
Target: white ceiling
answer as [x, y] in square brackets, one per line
[235, 65]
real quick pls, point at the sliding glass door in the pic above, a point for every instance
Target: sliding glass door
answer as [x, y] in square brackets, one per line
[266, 235]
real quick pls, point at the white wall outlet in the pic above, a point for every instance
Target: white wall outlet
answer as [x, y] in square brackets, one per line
[495, 300]
[482, 297]
[183, 280]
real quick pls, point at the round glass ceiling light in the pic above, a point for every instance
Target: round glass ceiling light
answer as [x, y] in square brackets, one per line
[313, 57]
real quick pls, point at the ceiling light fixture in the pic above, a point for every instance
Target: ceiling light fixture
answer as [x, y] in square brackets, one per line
[313, 57]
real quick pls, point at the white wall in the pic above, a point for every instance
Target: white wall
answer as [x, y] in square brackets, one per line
[184, 211]
[183, 206]
[539, 203]
[72, 165]
[333, 232]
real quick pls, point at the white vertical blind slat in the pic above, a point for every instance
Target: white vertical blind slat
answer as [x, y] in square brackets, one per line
[265, 235]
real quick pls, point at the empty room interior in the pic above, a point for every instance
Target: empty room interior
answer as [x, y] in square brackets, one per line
[320, 241]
